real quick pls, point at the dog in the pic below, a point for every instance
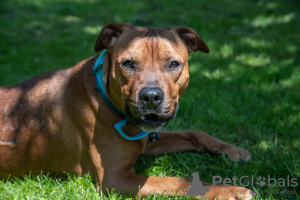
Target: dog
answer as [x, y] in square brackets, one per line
[60, 122]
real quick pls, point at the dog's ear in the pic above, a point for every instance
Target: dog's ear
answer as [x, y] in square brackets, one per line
[191, 38]
[109, 35]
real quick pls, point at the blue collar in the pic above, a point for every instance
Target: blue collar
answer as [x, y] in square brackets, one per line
[98, 71]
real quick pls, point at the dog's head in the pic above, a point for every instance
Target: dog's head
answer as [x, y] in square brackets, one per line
[146, 70]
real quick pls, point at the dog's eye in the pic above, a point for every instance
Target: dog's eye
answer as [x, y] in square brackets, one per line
[174, 65]
[128, 64]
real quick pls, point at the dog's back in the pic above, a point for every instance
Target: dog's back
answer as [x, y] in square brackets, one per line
[31, 118]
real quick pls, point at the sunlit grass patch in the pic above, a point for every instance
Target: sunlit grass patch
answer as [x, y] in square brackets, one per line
[268, 20]
[254, 60]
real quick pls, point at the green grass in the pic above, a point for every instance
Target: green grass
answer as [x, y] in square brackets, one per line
[245, 92]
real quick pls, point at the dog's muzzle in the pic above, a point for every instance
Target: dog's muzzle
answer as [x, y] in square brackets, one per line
[150, 113]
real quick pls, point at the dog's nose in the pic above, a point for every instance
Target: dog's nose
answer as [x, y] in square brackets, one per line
[151, 97]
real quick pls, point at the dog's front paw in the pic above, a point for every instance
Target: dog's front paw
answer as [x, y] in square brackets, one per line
[222, 192]
[229, 193]
[234, 153]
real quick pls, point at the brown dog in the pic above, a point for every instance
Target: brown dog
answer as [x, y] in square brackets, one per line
[57, 122]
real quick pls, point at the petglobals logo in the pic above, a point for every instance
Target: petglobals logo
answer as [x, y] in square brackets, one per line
[246, 181]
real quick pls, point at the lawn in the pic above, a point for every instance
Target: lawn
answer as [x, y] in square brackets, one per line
[246, 91]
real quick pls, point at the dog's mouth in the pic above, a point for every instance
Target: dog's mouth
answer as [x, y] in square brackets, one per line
[150, 121]
[153, 119]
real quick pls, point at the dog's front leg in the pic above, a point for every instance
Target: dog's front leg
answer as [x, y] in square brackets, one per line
[136, 184]
[139, 185]
[174, 141]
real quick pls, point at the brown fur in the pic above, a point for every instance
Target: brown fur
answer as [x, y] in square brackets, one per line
[57, 122]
